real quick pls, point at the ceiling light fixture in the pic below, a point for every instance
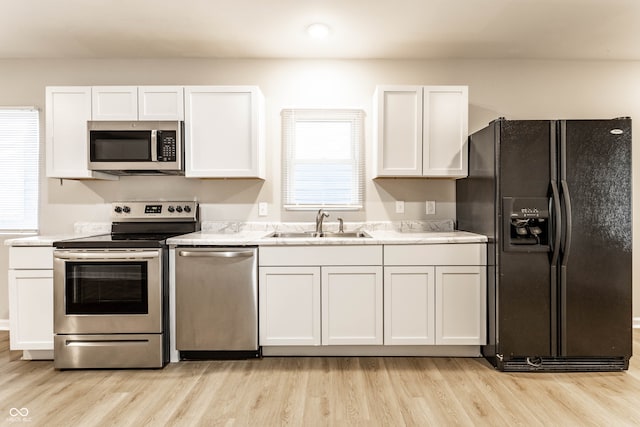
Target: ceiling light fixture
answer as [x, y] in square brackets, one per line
[318, 31]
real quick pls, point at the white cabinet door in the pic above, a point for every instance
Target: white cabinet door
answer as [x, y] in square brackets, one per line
[31, 309]
[461, 301]
[409, 305]
[114, 102]
[289, 300]
[421, 131]
[160, 103]
[224, 132]
[352, 305]
[398, 131]
[67, 112]
[445, 131]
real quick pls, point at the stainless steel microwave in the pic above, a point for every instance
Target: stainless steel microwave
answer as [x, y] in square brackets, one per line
[136, 147]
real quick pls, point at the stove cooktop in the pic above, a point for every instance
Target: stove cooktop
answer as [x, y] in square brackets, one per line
[106, 241]
[141, 225]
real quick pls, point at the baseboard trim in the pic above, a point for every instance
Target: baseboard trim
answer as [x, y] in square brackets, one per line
[374, 350]
[4, 324]
[636, 322]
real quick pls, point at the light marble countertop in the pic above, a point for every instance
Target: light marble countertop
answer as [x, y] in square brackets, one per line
[257, 234]
[261, 238]
[80, 229]
[39, 240]
[380, 232]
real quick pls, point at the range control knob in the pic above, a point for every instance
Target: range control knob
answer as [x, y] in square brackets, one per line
[118, 209]
[178, 208]
[187, 208]
[170, 209]
[126, 209]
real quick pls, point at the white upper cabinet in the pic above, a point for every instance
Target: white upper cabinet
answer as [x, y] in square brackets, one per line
[137, 103]
[398, 130]
[445, 130]
[421, 131]
[67, 110]
[114, 103]
[160, 103]
[224, 132]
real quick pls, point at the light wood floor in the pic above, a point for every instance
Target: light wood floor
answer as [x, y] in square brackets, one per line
[386, 391]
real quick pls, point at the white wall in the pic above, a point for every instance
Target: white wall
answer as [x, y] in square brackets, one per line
[514, 89]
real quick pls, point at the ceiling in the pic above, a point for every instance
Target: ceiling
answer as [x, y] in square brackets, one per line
[390, 29]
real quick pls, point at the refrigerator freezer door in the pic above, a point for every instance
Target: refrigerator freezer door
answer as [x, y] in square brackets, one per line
[595, 295]
[525, 314]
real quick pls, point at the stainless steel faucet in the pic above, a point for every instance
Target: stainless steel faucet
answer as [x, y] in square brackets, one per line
[319, 218]
[341, 226]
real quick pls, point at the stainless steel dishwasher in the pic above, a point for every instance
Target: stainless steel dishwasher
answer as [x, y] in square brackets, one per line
[217, 302]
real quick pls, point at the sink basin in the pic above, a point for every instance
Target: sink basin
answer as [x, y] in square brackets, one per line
[311, 234]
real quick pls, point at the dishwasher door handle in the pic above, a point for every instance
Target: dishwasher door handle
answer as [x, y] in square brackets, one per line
[216, 254]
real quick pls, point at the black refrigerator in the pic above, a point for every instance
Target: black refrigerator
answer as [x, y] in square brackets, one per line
[554, 199]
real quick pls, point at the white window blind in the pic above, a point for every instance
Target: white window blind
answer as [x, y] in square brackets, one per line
[19, 142]
[322, 159]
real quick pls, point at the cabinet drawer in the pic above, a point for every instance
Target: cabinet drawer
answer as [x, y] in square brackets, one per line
[320, 255]
[444, 254]
[31, 257]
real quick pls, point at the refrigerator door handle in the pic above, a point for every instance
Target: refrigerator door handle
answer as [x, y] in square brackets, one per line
[566, 198]
[557, 215]
[566, 248]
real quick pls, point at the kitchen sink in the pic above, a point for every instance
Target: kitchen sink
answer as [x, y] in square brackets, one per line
[311, 234]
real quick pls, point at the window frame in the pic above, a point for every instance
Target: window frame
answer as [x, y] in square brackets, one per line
[290, 117]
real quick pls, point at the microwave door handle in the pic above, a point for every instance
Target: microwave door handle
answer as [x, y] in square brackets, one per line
[154, 145]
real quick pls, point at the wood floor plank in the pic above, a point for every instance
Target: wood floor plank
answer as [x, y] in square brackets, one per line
[317, 391]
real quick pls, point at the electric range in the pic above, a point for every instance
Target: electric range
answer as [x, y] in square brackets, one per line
[111, 291]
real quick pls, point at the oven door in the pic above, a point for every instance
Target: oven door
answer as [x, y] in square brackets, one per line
[114, 291]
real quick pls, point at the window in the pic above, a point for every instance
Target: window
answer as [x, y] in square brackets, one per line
[322, 159]
[19, 142]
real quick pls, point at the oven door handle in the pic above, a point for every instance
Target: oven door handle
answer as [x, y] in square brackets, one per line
[103, 343]
[107, 255]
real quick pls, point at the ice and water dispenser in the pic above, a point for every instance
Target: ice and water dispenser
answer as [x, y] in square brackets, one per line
[526, 224]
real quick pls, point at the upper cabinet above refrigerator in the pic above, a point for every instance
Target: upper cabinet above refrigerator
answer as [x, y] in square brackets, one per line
[420, 131]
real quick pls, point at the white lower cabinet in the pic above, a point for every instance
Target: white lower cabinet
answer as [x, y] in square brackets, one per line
[441, 304]
[289, 305]
[409, 305]
[429, 297]
[461, 299]
[315, 295]
[31, 301]
[352, 305]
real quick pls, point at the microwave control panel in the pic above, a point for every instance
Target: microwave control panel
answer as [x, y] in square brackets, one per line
[167, 146]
